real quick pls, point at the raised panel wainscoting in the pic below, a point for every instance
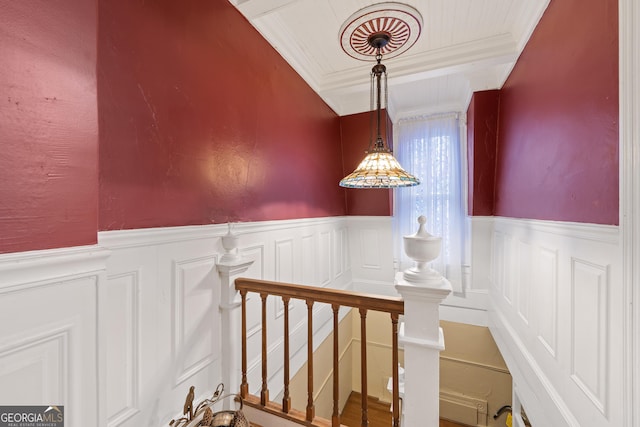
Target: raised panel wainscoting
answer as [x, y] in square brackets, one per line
[162, 318]
[49, 325]
[558, 316]
[119, 331]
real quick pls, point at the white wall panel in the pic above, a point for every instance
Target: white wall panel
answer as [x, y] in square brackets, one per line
[545, 288]
[35, 368]
[558, 315]
[195, 302]
[172, 273]
[48, 331]
[369, 240]
[339, 252]
[370, 244]
[123, 346]
[284, 260]
[324, 258]
[510, 266]
[524, 279]
[308, 263]
[499, 263]
[589, 333]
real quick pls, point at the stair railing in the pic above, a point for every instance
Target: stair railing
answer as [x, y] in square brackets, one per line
[312, 295]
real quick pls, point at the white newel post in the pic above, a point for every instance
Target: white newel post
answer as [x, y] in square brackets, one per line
[422, 289]
[231, 266]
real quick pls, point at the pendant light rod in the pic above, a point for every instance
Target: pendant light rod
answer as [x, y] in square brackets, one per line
[379, 169]
[378, 73]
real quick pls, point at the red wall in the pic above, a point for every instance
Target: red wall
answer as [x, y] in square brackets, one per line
[482, 133]
[356, 133]
[202, 121]
[48, 124]
[558, 136]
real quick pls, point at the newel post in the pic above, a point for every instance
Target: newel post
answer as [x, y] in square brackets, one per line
[422, 289]
[231, 266]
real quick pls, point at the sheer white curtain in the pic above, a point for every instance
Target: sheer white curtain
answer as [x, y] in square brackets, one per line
[429, 148]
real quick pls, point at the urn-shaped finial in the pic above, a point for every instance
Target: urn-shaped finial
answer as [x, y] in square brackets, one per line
[423, 248]
[230, 245]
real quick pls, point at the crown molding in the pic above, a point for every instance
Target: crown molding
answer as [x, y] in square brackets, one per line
[255, 9]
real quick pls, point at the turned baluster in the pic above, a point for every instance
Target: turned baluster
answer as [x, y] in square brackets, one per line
[244, 386]
[286, 399]
[264, 391]
[335, 417]
[363, 366]
[310, 407]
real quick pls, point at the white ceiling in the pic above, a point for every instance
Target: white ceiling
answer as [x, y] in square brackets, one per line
[465, 46]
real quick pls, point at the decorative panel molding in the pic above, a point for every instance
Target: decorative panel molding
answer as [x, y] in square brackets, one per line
[48, 335]
[284, 260]
[284, 269]
[37, 363]
[562, 330]
[509, 267]
[123, 352]
[309, 258]
[369, 241]
[371, 253]
[140, 312]
[194, 309]
[524, 279]
[256, 254]
[499, 262]
[339, 252]
[546, 301]
[324, 258]
[589, 324]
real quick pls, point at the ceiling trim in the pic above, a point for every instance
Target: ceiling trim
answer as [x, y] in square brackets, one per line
[436, 63]
[253, 9]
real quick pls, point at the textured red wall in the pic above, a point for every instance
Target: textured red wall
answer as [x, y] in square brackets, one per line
[558, 136]
[482, 133]
[356, 133]
[202, 121]
[48, 124]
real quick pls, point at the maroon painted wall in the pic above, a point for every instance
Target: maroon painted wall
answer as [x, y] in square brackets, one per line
[482, 133]
[356, 133]
[48, 124]
[558, 136]
[202, 121]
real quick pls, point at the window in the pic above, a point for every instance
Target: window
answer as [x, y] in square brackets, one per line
[429, 148]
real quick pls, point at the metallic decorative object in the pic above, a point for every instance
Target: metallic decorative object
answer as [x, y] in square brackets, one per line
[208, 418]
[390, 29]
[188, 403]
[189, 412]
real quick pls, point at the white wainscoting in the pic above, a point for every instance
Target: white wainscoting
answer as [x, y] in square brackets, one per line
[161, 308]
[558, 317]
[49, 330]
[373, 269]
[371, 254]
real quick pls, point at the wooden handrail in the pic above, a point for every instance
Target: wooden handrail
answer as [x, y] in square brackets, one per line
[341, 297]
[336, 298]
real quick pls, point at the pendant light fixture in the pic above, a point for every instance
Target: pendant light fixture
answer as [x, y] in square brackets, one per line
[390, 29]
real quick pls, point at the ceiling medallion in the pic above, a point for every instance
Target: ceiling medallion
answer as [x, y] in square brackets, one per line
[400, 22]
